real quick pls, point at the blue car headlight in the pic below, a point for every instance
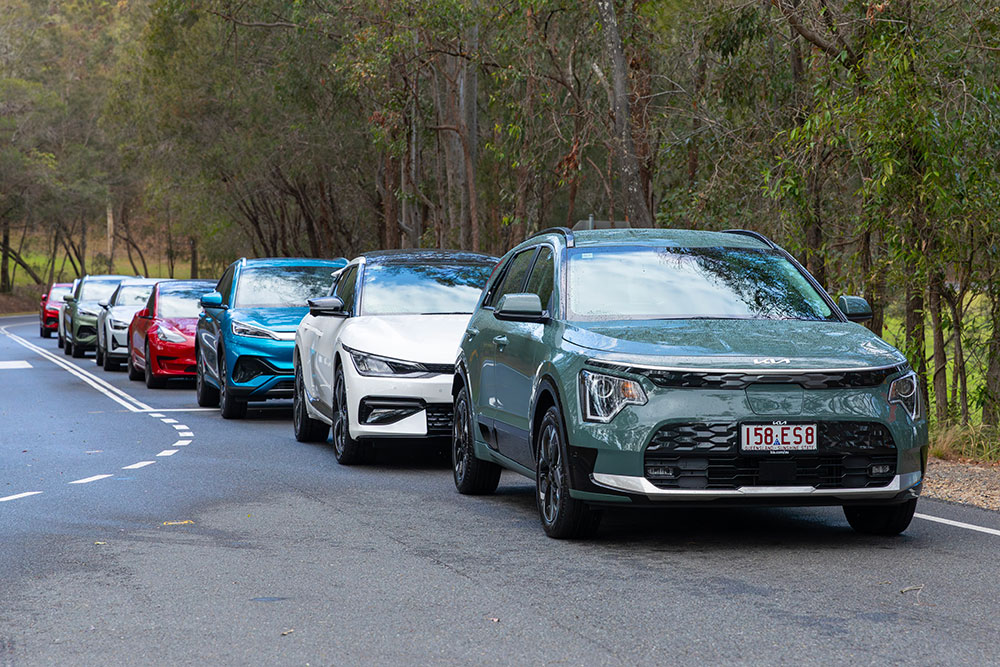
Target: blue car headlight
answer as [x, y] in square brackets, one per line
[253, 331]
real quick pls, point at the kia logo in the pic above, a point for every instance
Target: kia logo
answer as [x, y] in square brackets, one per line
[771, 361]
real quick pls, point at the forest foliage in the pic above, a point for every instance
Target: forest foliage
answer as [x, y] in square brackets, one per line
[861, 135]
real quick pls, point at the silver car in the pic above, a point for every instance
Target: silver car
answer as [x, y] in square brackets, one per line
[115, 316]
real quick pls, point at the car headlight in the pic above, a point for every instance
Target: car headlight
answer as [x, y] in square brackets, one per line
[170, 335]
[244, 329]
[118, 324]
[603, 396]
[375, 365]
[904, 391]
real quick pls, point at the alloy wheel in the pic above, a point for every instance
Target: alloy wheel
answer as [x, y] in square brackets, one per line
[461, 440]
[340, 424]
[550, 477]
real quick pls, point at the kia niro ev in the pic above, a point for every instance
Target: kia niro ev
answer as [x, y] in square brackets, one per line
[82, 308]
[638, 367]
[246, 332]
[376, 357]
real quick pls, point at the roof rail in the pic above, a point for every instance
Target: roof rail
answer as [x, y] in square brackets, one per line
[751, 234]
[565, 231]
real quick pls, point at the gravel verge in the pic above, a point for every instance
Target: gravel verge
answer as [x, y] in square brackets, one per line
[964, 482]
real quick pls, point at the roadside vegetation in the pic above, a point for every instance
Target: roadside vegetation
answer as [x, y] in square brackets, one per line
[861, 135]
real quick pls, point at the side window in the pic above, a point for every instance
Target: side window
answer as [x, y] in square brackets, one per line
[513, 282]
[347, 288]
[79, 288]
[542, 278]
[151, 303]
[225, 286]
[113, 300]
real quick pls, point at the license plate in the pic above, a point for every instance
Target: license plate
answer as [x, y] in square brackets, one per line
[778, 437]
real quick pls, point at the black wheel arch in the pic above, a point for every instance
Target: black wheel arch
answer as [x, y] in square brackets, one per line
[546, 396]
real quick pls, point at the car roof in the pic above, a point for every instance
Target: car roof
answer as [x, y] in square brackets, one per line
[429, 256]
[293, 261]
[133, 282]
[184, 284]
[683, 238]
[107, 277]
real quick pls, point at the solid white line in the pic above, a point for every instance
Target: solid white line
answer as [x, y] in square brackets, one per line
[958, 524]
[87, 480]
[140, 464]
[153, 414]
[186, 434]
[112, 392]
[13, 365]
[19, 495]
[169, 421]
[181, 443]
[167, 452]
[183, 410]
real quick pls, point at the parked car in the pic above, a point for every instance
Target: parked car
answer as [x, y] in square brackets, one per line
[116, 314]
[82, 308]
[376, 357]
[48, 310]
[647, 367]
[246, 333]
[61, 331]
[161, 336]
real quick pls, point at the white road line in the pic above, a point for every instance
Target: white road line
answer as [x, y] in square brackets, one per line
[19, 495]
[958, 524]
[169, 421]
[181, 427]
[181, 443]
[167, 452]
[112, 392]
[186, 434]
[153, 414]
[87, 480]
[140, 464]
[13, 365]
[183, 410]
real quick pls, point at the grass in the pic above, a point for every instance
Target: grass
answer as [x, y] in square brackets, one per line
[975, 442]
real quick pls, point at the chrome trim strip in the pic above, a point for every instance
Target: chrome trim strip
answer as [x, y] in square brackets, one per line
[641, 485]
[755, 371]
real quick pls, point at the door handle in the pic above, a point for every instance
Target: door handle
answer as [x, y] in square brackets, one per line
[471, 333]
[500, 341]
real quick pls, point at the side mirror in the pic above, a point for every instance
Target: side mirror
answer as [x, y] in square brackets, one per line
[211, 300]
[327, 306]
[855, 308]
[520, 308]
[69, 298]
[104, 303]
[45, 296]
[143, 314]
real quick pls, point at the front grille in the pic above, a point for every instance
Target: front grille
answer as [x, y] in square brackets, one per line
[707, 456]
[741, 380]
[86, 332]
[284, 385]
[443, 369]
[439, 418]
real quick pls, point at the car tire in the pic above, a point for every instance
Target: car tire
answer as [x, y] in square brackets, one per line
[76, 351]
[885, 520]
[306, 428]
[152, 382]
[207, 395]
[45, 333]
[99, 355]
[108, 363]
[562, 516]
[133, 372]
[60, 343]
[68, 348]
[229, 407]
[347, 450]
[473, 476]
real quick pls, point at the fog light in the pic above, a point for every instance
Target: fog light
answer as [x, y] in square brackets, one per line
[661, 471]
[880, 469]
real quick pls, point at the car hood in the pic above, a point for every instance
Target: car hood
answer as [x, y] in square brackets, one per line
[431, 339]
[186, 325]
[275, 319]
[124, 313]
[774, 344]
[92, 306]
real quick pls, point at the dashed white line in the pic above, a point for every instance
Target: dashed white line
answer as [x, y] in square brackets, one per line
[183, 410]
[19, 495]
[181, 427]
[156, 414]
[958, 524]
[186, 434]
[13, 365]
[168, 452]
[168, 420]
[181, 443]
[88, 480]
[140, 464]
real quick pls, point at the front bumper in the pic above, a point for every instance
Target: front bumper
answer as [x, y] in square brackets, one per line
[172, 359]
[50, 320]
[423, 405]
[85, 332]
[118, 344]
[259, 369]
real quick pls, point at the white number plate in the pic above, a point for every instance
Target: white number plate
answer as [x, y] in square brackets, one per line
[778, 437]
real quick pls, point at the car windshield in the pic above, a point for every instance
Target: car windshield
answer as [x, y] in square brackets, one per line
[181, 301]
[435, 289]
[57, 293]
[98, 290]
[135, 295]
[282, 286]
[643, 283]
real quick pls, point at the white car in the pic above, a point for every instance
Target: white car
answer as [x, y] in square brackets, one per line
[115, 316]
[376, 357]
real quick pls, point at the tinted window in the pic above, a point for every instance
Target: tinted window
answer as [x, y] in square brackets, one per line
[542, 277]
[513, 282]
[179, 301]
[97, 290]
[225, 286]
[57, 293]
[436, 289]
[282, 286]
[623, 283]
[347, 287]
[134, 295]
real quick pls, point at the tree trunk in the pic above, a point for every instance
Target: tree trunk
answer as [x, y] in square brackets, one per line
[5, 281]
[915, 335]
[193, 240]
[636, 210]
[991, 402]
[940, 380]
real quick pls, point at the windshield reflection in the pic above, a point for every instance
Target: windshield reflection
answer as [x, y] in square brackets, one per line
[282, 286]
[437, 288]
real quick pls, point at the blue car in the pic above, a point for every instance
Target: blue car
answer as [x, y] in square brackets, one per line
[246, 332]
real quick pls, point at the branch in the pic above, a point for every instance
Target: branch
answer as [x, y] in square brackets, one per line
[255, 24]
[810, 35]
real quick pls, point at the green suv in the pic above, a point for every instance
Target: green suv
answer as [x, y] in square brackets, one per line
[648, 367]
[82, 309]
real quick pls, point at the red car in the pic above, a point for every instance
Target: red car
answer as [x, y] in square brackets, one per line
[52, 303]
[161, 335]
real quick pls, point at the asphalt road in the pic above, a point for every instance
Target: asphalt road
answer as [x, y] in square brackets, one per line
[242, 546]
